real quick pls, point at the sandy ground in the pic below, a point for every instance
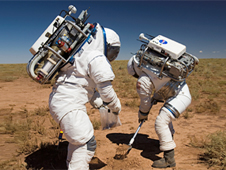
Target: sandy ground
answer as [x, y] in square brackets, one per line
[25, 93]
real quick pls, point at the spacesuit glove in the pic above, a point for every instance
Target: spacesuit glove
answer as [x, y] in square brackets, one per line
[96, 100]
[114, 106]
[142, 116]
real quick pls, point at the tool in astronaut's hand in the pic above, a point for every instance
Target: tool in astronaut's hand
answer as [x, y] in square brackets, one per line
[58, 44]
[123, 150]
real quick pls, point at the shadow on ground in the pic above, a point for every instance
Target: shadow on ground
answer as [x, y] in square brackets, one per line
[51, 157]
[149, 147]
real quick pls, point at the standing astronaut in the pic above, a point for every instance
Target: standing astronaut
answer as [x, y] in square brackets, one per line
[161, 66]
[75, 86]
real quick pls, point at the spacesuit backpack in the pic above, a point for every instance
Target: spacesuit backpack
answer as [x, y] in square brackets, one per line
[164, 57]
[58, 44]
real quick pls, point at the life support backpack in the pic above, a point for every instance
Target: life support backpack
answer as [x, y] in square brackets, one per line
[163, 62]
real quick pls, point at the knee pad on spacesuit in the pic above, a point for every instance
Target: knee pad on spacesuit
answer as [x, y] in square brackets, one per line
[91, 144]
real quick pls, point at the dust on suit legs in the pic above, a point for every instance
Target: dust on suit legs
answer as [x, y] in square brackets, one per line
[169, 112]
[79, 132]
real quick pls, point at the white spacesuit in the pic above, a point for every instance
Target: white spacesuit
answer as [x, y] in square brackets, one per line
[75, 86]
[152, 87]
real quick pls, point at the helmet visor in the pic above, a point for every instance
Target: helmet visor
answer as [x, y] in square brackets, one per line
[112, 52]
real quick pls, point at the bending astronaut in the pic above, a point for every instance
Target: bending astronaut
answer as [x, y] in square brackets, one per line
[75, 86]
[161, 78]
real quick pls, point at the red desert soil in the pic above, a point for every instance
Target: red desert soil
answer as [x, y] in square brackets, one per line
[25, 93]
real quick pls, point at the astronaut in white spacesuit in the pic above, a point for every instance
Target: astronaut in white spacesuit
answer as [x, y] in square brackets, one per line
[151, 89]
[75, 86]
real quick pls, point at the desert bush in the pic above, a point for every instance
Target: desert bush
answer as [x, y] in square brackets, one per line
[41, 111]
[208, 106]
[28, 146]
[214, 149]
[13, 164]
[197, 141]
[26, 129]
[13, 126]
[39, 127]
[187, 113]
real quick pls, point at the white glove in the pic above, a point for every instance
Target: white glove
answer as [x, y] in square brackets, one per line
[96, 100]
[109, 96]
[142, 116]
[115, 106]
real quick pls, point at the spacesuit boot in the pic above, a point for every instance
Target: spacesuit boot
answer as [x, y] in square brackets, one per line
[167, 161]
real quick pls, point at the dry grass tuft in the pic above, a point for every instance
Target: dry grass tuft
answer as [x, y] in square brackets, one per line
[209, 106]
[214, 149]
[96, 124]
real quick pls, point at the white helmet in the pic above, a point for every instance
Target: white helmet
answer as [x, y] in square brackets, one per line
[113, 44]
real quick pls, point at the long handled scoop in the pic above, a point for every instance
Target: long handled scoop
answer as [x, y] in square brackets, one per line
[124, 149]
